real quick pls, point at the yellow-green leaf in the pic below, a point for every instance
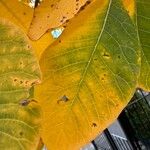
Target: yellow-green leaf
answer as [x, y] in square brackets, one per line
[143, 25]
[89, 75]
[53, 13]
[19, 71]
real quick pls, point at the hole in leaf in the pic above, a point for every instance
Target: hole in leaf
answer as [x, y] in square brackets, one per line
[57, 32]
[25, 102]
[63, 99]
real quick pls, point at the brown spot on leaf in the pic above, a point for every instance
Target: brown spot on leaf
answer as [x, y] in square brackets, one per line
[26, 82]
[94, 124]
[34, 83]
[63, 99]
[21, 82]
[25, 102]
[15, 80]
[102, 79]
[52, 5]
[29, 46]
[119, 57]
[21, 133]
[67, 21]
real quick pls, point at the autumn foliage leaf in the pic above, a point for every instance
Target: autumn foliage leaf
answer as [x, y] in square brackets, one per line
[53, 13]
[21, 15]
[16, 12]
[19, 72]
[89, 75]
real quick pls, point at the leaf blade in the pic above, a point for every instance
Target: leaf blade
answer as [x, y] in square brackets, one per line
[84, 88]
[143, 23]
[19, 71]
[52, 14]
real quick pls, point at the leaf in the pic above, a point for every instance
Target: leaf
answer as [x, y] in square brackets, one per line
[21, 15]
[53, 13]
[143, 24]
[17, 13]
[89, 75]
[19, 71]
[40, 45]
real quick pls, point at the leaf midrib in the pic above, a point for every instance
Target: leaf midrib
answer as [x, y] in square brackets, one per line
[92, 54]
[87, 66]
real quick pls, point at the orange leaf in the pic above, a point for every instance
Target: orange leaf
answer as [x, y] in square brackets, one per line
[52, 14]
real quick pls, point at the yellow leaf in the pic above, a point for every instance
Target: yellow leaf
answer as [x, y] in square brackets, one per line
[16, 12]
[52, 14]
[89, 75]
[21, 15]
[41, 44]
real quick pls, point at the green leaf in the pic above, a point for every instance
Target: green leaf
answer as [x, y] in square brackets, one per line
[89, 75]
[143, 24]
[19, 71]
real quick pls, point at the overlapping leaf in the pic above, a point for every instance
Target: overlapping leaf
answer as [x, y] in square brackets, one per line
[143, 25]
[21, 15]
[16, 12]
[19, 71]
[53, 13]
[89, 75]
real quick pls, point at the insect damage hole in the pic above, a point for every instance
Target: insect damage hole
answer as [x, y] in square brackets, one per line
[26, 102]
[34, 3]
[63, 99]
[57, 32]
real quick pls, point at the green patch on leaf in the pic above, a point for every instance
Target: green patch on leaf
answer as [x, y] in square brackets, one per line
[19, 72]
